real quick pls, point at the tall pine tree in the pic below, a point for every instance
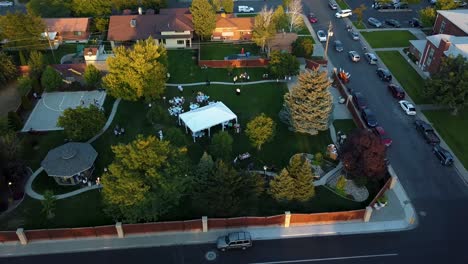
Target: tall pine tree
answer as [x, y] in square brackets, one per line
[307, 107]
[203, 17]
[295, 182]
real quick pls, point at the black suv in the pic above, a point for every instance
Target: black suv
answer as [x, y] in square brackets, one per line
[369, 117]
[393, 23]
[443, 155]
[384, 75]
[396, 91]
[414, 22]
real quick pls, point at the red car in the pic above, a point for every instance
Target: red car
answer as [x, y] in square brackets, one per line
[313, 18]
[379, 131]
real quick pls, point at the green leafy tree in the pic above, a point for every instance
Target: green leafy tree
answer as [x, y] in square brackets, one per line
[9, 145]
[99, 10]
[359, 12]
[341, 184]
[82, 123]
[264, 29]
[216, 4]
[48, 204]
[176, 136]
[228, 5]
[14, 121]
[51, 79]
[446, 4]
[283, 64]
[147, 179]
[24, 85]
[203, 17]
[92, 76]
[280, 19]
[449, 85]
[22, 58]
[36, 64]
[308, 105]
[260, 130]
[50, 8]
[137, 73]
[294, 182]
[158, 115]
[7, 69]
[23, 31]
[286, 4]
[428, 16]
[303, 47]
[205, 165]
[221, 145]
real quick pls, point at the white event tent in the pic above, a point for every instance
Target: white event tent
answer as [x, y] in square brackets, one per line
[206, 117]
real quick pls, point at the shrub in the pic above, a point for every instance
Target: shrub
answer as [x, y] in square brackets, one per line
[14, 121]
[340, 185]
[176, 137]
[303, 47]
[360, 181]
[318, 159]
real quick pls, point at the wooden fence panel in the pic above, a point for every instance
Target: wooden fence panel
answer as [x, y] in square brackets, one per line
[236, 222]
[255, 221]
[275, 220]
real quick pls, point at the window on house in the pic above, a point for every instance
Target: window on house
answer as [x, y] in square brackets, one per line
[77, 33]
[430, 57]
[442, 27]
[180, 42]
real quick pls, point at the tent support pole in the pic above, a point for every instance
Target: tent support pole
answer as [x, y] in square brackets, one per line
[209, 131]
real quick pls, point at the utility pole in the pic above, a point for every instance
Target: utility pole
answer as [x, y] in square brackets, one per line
[329, 34]
[50, 44]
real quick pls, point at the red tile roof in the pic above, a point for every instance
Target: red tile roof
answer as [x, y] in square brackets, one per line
[240, 23]
[67, 24]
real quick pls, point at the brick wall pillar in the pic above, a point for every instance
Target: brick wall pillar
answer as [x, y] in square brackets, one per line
[119, 228]
[22, 236]
[287, 219]
[367, 214]
[205, 223]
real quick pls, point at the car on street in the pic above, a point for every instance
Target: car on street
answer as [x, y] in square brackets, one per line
[321, 36]
[6, 3]
[384, 74]
[369, 117]
[343, 13]
[383, 5]
[370, 57]
[427, 132]
[234, 240]
[396, 91]
[332, 4]
[374, 22]
[359, 100]
[407, 107]
[380, 132]
[393, 23]
[444, 156]
[354, 56]
[401, 5]
[313, 18]
[354, 35]
[414, 22]
[338, 46]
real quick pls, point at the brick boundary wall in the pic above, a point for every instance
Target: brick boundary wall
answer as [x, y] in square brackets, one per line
[349, 104]
[326, 218]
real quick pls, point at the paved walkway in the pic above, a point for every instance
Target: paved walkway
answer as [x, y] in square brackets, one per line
[226, 83]
[109, 121]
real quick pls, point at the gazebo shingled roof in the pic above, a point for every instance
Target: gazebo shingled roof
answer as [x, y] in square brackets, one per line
[69, 159]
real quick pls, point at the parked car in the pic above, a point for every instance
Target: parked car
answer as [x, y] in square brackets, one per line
[383, 5]
[379, 131]
[427, 132]
[374, 22]
[321, 36]
[401, 5]
[354, 56]
[370, 57]
[354, 35]
[407, 107]
[396, 91]
[384, 74]
[393, 23]
[332, 4]
[234, 240]
[6, 3]
[444, 156]
[313, 18]
[369, 117]
[338, 46]
[343, 13]
[359, 100]
[414, 22]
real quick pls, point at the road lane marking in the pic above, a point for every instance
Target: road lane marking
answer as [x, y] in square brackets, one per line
[327, 259]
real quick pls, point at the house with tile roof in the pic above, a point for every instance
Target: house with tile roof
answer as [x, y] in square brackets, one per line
[172, 27]
[230, 28]
[67, 30]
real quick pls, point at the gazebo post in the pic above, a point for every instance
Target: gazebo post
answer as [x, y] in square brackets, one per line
[222, 125]
[209, 131]
[193, 138]
[186, 131]
[179, 119]
[236, 120]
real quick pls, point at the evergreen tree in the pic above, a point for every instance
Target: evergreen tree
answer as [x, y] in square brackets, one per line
[92, 76]
[295, 182]
[7, 69]
[48, 204]
[205, 165]
[308, 105]
[51, 79]
[24, 85]
[280, 19]
[137, 73]
[36, 64]
[203, 17]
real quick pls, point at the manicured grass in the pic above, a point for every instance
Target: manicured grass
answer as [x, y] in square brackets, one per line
[389, 38]
[342, 4]
[411, 81]
[344, 125]
[247, 15]
[217, 51]
[62, 50]
[183, 68]
[44, 182]
[453, 130]
[35, 147]
[359, 25]
[82, 210]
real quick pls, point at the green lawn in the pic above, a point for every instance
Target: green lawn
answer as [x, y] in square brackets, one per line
[44, 182]
[342, 4]
[82, 210]
[344, 125]
[411, 81]
[359, 25]
[62, 50]
[389, 38]
[453, 130]
[35, 147]
[217, 51]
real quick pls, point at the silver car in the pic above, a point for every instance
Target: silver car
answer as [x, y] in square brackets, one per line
[354, 56]
[338, 46]
[241, 240]
[371, 58]
[354, 35]
[374, 22]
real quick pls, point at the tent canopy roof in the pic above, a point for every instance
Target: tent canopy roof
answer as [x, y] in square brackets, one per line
[208, 116]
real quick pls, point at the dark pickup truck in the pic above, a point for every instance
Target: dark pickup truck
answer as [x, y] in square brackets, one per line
[427, 131]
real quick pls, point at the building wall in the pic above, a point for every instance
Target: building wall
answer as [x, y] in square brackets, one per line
[414, 51]
[438, 54]
[173, 43]
[449, 29]
[237, 34]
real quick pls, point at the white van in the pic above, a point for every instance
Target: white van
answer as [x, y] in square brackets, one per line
[344, 13]
[245, 9]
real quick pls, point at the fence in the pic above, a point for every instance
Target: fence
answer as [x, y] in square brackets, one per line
[217, 223]
[191, 225]
[349, 104]
[261, 62]
[326, 218]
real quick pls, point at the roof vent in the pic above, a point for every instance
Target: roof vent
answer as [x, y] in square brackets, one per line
[133, 23]
[68, 153]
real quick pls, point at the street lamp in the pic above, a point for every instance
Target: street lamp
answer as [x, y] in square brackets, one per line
[329, 34]
[9, 187]
[264, 170]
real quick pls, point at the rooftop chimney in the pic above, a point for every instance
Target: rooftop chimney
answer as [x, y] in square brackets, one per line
[133, 23]
[444, 44]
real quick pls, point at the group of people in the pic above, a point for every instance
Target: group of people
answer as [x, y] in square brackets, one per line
[119, 130]
[242, 76]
